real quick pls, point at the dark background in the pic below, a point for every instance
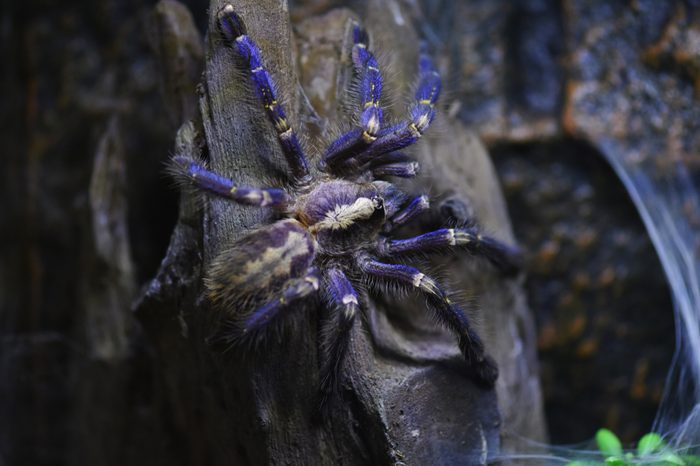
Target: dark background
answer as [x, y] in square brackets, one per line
[75, 72]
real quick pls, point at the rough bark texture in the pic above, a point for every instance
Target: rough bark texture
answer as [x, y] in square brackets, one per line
[405, 398]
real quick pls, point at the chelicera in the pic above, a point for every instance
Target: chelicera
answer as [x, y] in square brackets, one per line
[337, 218]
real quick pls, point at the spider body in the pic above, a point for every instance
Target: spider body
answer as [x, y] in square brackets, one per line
[335, 234]
[343, 216]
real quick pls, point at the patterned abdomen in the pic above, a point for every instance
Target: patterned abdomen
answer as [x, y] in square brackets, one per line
[260, 263]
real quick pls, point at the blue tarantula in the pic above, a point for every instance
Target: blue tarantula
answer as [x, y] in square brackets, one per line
[336, 221]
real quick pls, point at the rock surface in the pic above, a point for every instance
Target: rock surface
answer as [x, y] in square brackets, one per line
[547, 83]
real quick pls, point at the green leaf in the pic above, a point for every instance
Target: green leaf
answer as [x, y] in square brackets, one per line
[650, 443]
[615, 461]
[608, 443]
[672, 459]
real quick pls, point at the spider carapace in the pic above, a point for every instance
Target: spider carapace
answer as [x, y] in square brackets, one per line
[336, 229]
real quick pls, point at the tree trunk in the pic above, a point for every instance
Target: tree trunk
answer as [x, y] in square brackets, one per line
[406, 397]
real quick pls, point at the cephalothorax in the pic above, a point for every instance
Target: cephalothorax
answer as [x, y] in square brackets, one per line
[337, 220]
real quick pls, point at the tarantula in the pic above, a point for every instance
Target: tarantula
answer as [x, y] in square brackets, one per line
[337, 218]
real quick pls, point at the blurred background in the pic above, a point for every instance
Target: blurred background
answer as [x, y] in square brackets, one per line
[565, 94]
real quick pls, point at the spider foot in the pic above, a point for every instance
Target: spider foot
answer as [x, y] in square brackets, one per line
[481, 368]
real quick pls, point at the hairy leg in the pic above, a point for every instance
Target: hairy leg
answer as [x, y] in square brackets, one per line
[343, 305]
[482, 366]
[293, 292]
[422, 113]
[504, 257]
[418, 205]
[234, 32]
[371, 115]
[194, 173]
[400, 170]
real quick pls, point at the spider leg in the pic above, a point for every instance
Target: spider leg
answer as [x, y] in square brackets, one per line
[483, 366]
[370, 89]
[335, 331]
[296, 290]
[235, 35]
[386, 159]
[504, 257]
[401, 170]
[418, 205]
[191, 172]
[422, 113]
[375, 165]
[370, 84]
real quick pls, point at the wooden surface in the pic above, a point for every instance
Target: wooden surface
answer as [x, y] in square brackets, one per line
[406, 397]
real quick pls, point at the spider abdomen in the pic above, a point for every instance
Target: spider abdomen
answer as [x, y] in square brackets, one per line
[261, 262]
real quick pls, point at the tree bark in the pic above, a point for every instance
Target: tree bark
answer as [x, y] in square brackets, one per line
[405, 397]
